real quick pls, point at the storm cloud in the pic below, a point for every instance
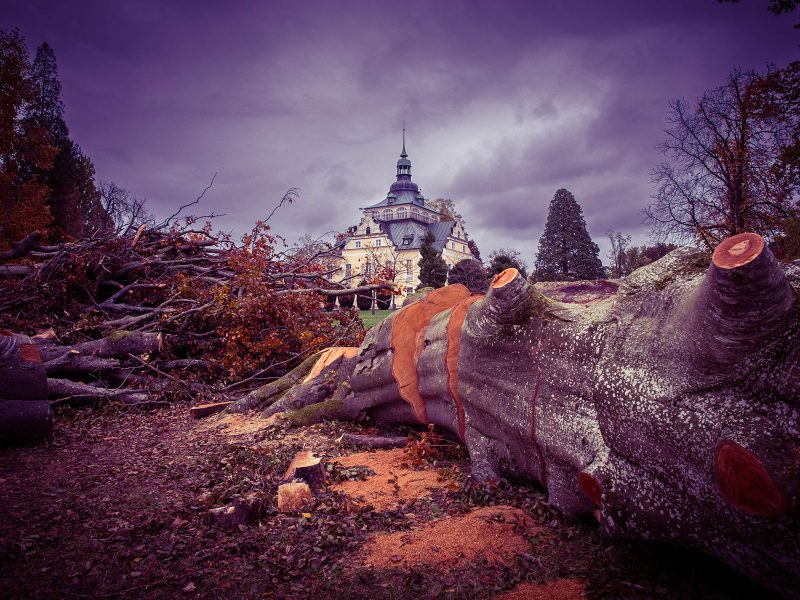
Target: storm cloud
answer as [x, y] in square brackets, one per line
[505, 102]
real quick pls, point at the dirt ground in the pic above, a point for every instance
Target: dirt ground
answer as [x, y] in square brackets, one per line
[116, 507]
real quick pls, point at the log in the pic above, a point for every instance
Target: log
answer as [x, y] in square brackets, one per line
[21, 371]
[75, 362]
[667, 404]
[75, 392]
[205, 410]
[373, 441]
[117, 344]
[25, 422]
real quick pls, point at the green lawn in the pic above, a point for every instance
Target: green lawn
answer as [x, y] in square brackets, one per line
[371, 320]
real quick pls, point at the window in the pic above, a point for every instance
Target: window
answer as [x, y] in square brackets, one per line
[415, 213]
[409, 291]
[368, 269]
[358, 244]
[409, 270]
[387, 214]
[378, 242]
[368, 230]
[462, 248]
[407, 241]
[453, 245]
[348, 270]
[402, 213]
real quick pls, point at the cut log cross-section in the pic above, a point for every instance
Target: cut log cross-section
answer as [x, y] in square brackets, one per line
[666, 404]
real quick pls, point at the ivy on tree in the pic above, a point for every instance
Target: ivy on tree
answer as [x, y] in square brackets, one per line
[432, 268]
[566, 252]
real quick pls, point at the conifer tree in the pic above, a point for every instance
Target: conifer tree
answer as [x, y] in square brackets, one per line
[75, 202]
[432, 268]
[566, 252]
[25, 152]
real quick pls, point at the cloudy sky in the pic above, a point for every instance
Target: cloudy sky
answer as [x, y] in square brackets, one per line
[505, 102]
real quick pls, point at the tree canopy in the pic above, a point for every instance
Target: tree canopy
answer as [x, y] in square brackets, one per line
[506, 258]
[432, 268]
[469, 273]
[732, 160]
[566, 251]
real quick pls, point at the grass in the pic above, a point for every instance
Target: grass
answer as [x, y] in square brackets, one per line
[371, 320]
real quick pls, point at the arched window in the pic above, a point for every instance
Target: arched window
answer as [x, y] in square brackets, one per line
[415, 213]
[402, 213]
[387, 214]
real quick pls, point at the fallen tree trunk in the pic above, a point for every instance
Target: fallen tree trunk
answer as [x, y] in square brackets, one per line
[666, 404]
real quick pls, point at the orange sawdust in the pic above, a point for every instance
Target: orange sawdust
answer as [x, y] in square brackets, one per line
[382, 489]
[239, 425]
[559, 589]
[494, 532]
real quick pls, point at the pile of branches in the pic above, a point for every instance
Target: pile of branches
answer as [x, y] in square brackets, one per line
[164, 314]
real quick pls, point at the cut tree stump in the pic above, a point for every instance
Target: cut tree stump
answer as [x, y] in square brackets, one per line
[307, 467]
[294, 496]
[243, 511]
[205, 410]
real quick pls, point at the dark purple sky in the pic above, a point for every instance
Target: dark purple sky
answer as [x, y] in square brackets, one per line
[505, 102]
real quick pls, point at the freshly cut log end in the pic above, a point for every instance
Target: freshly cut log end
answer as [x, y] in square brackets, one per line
[504, 278]
[746, 300]
[294, 496]
[738, 250]
[745, 482]
[25, 422]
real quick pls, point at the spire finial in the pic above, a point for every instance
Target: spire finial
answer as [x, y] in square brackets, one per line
[403, 154]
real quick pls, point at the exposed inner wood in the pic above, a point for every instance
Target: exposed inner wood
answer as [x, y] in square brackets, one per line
[738, 250]
[405, 327]
[504, 278]
[327, 357]
[451, 354]
[745, 482]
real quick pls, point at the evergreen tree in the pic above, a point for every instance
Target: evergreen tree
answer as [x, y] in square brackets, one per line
[75, 202]
[25, 152]
[474, 249]
[432, 268]
[566, 252]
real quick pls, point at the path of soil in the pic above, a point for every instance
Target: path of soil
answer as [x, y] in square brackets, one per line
[116, 507]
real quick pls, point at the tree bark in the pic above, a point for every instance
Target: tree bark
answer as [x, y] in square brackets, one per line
[25, 422]
[666, 404]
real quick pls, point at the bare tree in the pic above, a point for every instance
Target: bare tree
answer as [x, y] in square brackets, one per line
[720, 176]
[618, 253]
[125, 211]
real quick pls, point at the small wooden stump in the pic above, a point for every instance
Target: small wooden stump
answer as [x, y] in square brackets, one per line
[294, 496]
[307, 467]
[244, 511]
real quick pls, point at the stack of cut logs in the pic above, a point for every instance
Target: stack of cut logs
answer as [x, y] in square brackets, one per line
[25, 415]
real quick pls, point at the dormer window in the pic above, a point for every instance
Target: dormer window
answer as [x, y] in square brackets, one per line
[407, 241]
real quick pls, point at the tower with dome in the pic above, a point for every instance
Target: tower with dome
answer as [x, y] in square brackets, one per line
[391, 231]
